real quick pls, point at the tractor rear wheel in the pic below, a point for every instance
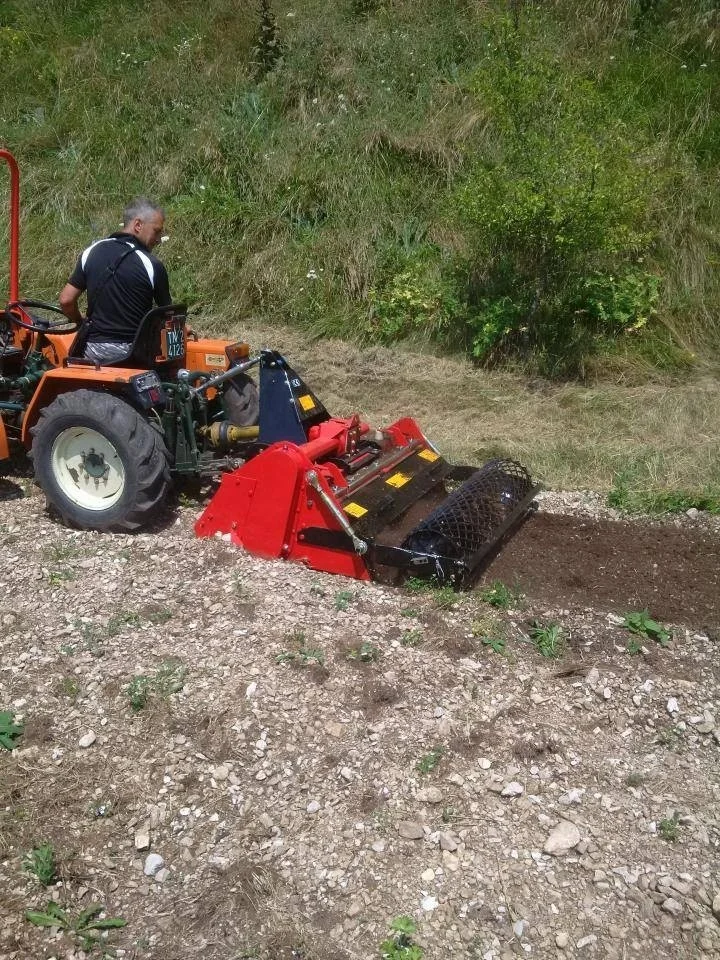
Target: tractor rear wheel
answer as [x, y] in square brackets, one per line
[101, 465]
[242, 401]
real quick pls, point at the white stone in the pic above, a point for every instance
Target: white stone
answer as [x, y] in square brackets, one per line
[88, 740]
[313, 806]
[672, 706]
[142, 840]
[561, 940]
[512, 789]
[428, 876]
[484, 763]
[153, 863]
[430, 795]
[562, 839]
[347, 774]
[429, 903]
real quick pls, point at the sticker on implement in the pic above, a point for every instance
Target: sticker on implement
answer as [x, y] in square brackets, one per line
[306, 402]
[398, 480]
[214, 360]
[355, 510]
[429, 455]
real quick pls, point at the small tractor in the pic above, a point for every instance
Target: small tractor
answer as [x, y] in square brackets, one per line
[108, 443]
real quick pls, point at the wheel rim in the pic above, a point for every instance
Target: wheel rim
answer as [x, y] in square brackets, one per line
[88, 468]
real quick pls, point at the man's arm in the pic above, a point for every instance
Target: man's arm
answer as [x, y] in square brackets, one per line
[69, 296]
[162, 285]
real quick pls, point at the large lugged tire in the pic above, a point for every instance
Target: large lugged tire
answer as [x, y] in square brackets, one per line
[242, 401]
[99, 462]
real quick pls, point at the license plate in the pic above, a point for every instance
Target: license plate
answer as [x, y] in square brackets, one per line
[174, 343]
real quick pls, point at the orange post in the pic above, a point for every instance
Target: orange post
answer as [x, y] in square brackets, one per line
[14, 222]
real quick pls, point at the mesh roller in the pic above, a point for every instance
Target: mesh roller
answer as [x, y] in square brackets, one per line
[470, 517]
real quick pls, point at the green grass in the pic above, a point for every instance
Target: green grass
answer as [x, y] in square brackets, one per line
[337, 191]
[40, 862]
[429, 762]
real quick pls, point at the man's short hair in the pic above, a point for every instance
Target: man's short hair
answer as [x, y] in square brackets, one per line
[140, 207]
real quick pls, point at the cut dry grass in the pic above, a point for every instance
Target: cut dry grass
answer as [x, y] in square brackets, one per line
[571, 436]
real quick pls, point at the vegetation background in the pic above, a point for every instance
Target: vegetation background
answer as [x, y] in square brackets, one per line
[527, 184]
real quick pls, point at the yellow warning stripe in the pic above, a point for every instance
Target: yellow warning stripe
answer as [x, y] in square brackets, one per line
[355, 510]
[306, 402]
[429, 455]
[398, 480]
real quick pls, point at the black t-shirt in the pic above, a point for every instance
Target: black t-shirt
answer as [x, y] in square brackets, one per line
[120, 291]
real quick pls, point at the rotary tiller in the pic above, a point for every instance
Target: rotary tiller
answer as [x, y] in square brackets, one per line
[339, 496]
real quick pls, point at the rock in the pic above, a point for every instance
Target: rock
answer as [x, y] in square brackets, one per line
[142, 840]
[519, 928]
[430, 795]
[561, 940]
[571, 796]
[313, 806]
[512, 789]
[586, 941]
[354, 907]
[672, 706]
[692, 512]
[153, 863]
[410, 831]
[378, 846]
[447, 841]
[221, 772]
[162, 875]
[671, 906]
[87, 740]
[347, 774]
[562, 839]
[429, 903]
[716, 906]
[428, 876]
[484, 763]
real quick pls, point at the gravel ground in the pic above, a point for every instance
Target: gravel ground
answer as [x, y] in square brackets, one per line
[248, 759]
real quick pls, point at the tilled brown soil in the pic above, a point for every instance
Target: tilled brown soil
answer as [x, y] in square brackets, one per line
[672, 571]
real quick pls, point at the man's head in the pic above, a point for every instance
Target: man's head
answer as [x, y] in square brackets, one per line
[144, 221]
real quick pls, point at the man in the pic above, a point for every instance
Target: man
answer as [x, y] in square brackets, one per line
[122, 279]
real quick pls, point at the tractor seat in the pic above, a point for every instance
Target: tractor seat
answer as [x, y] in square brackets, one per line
[159, 342]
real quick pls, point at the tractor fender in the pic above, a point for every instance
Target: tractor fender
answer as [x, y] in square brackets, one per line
[55, 382]
[4, 447]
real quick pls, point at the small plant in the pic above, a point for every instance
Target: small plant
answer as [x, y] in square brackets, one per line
[366, 653]
[85, 926]
[302, 655]
[430, 761]
[342, 599]
[408, 612]
[642, 624]
[56, 577]
[635, 779]
[496, 644]
[411, 638]
[10, 732]
[500, 596]
[669, 736]
[548, 638]
[169, 678]
[669, 828]
[449, 815]
[68, 687]
[116, 623]
[158, 617]
[40, 862]
[491, 634]
[400, 944]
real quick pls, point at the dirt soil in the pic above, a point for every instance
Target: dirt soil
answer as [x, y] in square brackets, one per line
[246, 759]
[616, 565]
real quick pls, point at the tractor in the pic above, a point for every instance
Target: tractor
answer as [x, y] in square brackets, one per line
[109, 441]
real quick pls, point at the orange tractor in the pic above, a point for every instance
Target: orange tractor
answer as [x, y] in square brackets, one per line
[108, 442]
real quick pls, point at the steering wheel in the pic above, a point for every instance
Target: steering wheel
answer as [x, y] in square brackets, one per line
[38, 324]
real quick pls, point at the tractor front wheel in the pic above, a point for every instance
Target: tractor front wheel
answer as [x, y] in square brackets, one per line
[101, 465]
